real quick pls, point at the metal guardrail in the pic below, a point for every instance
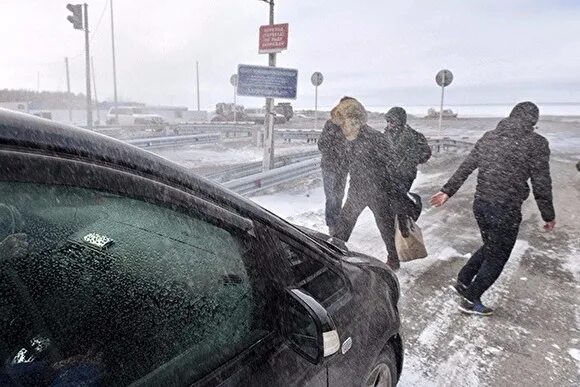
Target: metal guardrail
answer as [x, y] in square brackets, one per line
[170, 141]
[254, 183]
[446, 143]
[239, 171]
[299, 134]
[264, 180]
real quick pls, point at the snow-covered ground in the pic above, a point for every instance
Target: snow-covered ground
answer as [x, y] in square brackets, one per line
[534, 337]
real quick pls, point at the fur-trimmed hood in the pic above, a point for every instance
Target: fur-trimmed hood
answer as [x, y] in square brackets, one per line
[350, 115]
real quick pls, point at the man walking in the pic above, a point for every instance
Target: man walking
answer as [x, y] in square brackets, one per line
[371, 177]
[334, 164]
[506, 158]
[410, 147]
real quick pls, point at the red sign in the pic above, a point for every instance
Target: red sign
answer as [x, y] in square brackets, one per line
[273, 38]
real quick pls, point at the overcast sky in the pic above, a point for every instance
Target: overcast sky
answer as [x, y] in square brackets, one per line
[383, 52]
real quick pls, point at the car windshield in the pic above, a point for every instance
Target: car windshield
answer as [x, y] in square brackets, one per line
[290, 192]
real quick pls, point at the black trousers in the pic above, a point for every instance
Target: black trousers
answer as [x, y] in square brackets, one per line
[382, 208]
[499, 226]
[334, 186]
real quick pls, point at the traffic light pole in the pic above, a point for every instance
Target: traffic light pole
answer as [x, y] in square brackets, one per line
[68, 89]
[88, 68]
[268, 162]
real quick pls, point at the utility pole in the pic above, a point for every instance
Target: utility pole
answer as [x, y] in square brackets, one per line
[268, 162]
[95, 90]
[114, 64]
[38, 81]
[88, 68]
[197, 82]
[68, 88]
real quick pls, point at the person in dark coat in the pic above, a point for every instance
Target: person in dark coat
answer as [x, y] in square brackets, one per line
[506, 158]
[371, 177]
[334, 164]
[410, 147]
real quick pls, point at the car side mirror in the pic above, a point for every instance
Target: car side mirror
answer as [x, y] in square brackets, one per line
[308, 327]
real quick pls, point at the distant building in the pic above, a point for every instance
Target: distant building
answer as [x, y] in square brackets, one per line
[23, 107]
[196, 116]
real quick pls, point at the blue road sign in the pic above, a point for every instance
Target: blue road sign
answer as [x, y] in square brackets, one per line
[266, 81]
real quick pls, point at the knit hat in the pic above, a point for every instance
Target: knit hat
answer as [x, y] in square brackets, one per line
[397, 115]
[527, 111]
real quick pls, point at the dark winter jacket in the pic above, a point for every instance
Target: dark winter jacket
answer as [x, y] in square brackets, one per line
[333, 147]
[410, 149]
[409, 146]
[507, 158]
[371, 165]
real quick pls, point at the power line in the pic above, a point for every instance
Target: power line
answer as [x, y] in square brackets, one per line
[94, 34]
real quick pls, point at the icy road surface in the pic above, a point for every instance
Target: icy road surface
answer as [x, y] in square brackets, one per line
[534, 337]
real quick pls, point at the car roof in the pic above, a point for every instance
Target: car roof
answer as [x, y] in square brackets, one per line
[31, 134]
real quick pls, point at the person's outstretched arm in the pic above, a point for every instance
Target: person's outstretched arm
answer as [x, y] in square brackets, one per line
[469, 165]
[542, 181]
[465, 169]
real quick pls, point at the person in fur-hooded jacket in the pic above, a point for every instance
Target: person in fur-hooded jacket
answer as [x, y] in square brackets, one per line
[334, 164]
[371, 170]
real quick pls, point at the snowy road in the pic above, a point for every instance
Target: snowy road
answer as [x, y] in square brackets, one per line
[534, 337]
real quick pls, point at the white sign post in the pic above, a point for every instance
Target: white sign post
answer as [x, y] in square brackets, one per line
[234, 82]
[316, 80]
[443, 79]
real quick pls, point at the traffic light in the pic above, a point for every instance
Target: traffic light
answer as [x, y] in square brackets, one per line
[77, 15]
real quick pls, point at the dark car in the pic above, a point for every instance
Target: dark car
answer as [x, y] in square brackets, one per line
[119, 267]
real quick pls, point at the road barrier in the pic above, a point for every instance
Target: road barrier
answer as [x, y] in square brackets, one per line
[293, 134]
[439, 144]
[255, 183]
[171, 141]
[239, 171]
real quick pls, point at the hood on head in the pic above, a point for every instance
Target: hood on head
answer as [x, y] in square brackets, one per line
[527, 111]
[397, 115]
[350, 115]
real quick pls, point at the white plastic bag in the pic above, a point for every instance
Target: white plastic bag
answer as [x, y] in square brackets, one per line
[412, 247]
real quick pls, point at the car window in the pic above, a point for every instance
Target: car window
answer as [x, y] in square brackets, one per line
[101, 287]
[311, 274]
